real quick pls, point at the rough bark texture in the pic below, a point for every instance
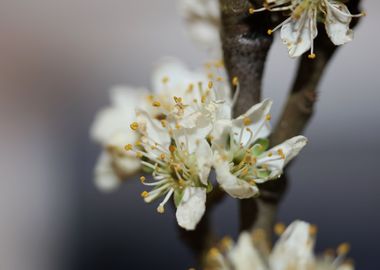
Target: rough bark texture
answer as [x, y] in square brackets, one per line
[245, 47]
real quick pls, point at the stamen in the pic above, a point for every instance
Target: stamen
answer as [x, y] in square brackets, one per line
[128, 147]
[279, 229]
[142, 179]
[156, 104]
[134, 126]
[144, 194]
[165, 79]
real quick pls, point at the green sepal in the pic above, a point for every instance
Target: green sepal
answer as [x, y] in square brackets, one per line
[178, 195]
[260, 146]
[146, 169]
[210, 187]
[263, 174]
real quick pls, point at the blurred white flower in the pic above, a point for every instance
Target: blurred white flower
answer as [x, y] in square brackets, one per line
[111, 129]
[293, 250]
[299, 30]
[171, 78]
[241, 158]
[202, 18]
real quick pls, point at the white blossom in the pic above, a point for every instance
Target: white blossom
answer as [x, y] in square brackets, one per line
[177, 171]
[173, 84]
[300, 29]
[241, 158]
[202, 18]
[293, 250]
[111, 129]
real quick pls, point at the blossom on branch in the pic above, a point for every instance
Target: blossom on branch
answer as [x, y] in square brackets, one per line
[299, 30]
[241, 156]
[293, 250]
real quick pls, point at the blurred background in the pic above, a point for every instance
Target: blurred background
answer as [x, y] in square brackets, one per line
[57, 61]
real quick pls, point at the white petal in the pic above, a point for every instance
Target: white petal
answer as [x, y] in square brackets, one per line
[337, 23]
[244, 255]
[190, 137]
[127, 165]
[234, 186]
[257, 115]
[204, 160]
[179, 77]
[294, 249]
[126, 97]
[105, 177]
[191, 207]
[221, 134]
[116, 118]
[153, 129]
[298, 34]
[203, 21]
[290, 149]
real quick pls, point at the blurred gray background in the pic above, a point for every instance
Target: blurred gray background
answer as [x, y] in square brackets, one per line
[57, 61]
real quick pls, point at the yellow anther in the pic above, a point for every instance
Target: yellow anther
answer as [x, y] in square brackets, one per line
[279, 228]
[252, 182]
[270, 32]
[281, 153]
[156, 104]
[210, 76]
[144, 194]
[247, 121]
[251, 10]
[177, 99]
[139, 155]
[245, 171]
[235, 81]
[150, 98]
[162, 156]
[163, 123]
[219, 79]
[329, 252]
[226, 242]
[270, 154]
[313, 229]
[128, 147]
[213, 252]
[203, 98]
[161, 209]
[142, 179]
[190, 88]
[311, 56]
[219, 64]
[165, 79]
[268, 117]
[138, 143]
[210, 84]
[343, 248]
[134, 126]
[172, 148]
[177, 126]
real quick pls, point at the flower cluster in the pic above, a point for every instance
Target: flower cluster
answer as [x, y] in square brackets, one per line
[182, 131]
[297, 31]
[293, 250]
[300, 29]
